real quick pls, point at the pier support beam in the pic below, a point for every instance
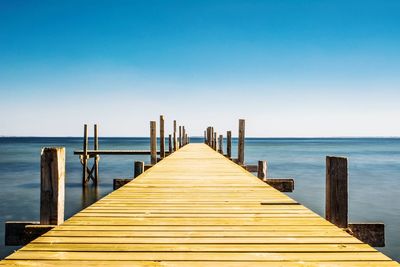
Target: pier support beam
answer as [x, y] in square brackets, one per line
[96, 157]
[262, 169]
[174, 136]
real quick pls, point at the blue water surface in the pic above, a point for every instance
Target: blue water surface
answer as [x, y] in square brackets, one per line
[374, 175]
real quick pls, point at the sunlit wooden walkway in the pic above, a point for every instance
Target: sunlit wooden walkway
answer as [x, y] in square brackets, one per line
[197, 208]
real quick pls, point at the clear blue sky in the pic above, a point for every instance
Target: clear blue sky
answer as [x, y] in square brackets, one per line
[290, 68]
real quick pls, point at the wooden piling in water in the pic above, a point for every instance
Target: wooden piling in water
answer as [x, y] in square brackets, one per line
[241, 142]
[84, 157]
[52, 185]
[162, 138]
[139, 168]
[336, 208]
[220, 144]
[229, 144]
[153, 143]
[170, 144]
[174, 136]
[180, 137]
[262, 169]
[215, 141]
[96, 157]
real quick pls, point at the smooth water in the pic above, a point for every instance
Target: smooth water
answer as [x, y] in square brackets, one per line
[374, 175]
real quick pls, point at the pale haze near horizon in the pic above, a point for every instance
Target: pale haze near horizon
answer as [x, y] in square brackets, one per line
[320, 70]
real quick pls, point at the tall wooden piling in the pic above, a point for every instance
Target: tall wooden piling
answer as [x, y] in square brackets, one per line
[241, 141]
[96, 157]
[229, 144]
[170, 144]
[162, 137]
[52, 185]
[262, 169]
[174, 136]
[336, 208]
[153, 143]
[220, 144]
[205, 137]
[84, 157]
[139, 168]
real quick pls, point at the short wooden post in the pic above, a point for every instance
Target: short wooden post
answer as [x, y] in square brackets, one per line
[229, 144]
[84, 157]
[241, 142]
[52, 185]
[336, 208]
[174, 135]
[139, 168]
[96, 157]
[205, 137]
[162, 137]
[153, 143]
[170, 144]
[220, 144]
[262, 169]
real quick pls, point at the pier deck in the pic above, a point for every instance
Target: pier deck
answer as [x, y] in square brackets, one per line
[197, 208]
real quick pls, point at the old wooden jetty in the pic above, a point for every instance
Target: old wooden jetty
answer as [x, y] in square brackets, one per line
[197, 208]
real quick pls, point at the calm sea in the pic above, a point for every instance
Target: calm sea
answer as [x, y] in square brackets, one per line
[374, 168]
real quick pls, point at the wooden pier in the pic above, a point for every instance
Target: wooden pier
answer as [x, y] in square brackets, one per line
[197, 208]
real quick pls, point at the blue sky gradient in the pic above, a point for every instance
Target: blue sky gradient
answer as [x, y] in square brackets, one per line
[291, 68]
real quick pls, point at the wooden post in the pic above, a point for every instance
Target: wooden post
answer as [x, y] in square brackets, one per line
[139, 168]
[336, 208]
[162, 138]
[229, 144]
[52, 185]
[183, 136]
[209, 136]
[96, 157]
[180, 137]
[84, 157]
[215, 141]
[220, 144]
[174, 135]
[170, 144]
[241, 142]
[153, 143]
[262, 169]
[205, 137]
